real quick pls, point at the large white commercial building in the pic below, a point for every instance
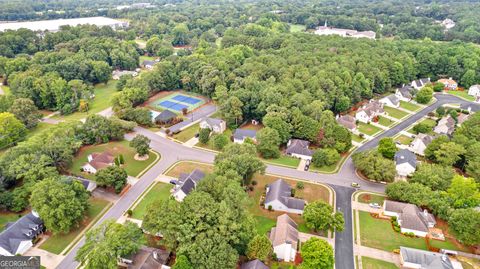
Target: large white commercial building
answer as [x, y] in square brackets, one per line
[54, 25]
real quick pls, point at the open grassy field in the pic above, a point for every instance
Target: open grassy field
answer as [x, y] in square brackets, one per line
[369, 263]
[188, 133]
[395, 113]
[159, 192]
[462, 94]
[6, 217]
[368, 129]
[409, 106]
[132, 166]
[385, 122]
[404, 140]
[285, 161]
[294, 28]
[57, 243]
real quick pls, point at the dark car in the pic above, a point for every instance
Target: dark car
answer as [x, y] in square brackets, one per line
[307, 165]
[173, 181]
[197, 135]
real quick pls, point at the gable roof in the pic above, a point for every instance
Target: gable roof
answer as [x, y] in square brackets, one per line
[214, 121]
[462, 118]
[393, 99]
[421, 82]
[285, 232]
[299, 146]
[410, 215]
[474, 87]
[372, 108]
[255, 264]
[347, 121]
[447, 122]
[406, 91]
[405, 156]
[447, 81]
[165, 115]
[280, 190]
[426, 259]
[24, 229]
[426, 139]
[101, 160]
[244, 133]
[188, 182]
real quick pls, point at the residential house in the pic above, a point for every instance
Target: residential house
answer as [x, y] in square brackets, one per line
[255, 264]
[369, 111]
[449, 83]
[348, 122]
[391, 100]
[284, 238]
[445, 125]
[474, 90]
[405, 93]
[448, 23]
[279, 198]
[148, 64]
[97, 161]
[405, 162]
[18, 236]
[420, 83]
[186, 183]
[326, 30]
[165, 117]
[409, 217]
[411, 258]
[217, 126]
[147, 258]
[117, 74]
[420, 143]
[299, 149]
[461, 118]
[240, 135]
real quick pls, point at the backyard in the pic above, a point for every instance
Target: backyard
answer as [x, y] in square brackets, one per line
[159, 192]
[41, 126]
[369, 263]
[57, 243]
[395, 113]
[132, 166]
[368, 129]
[431, 123]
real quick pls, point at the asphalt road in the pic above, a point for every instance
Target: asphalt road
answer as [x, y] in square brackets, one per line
[172, 152]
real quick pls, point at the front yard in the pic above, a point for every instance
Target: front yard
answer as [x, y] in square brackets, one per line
[209, 145]
[57, 243]
[385, 122]
[368, 129]
[404, 140]
[132, 166]
[369, 263]
[395, 113]
[159, 192]
[187, 133]
[367, 198]
[357, 138]
[409, 106]
[431, 123]
[284, 160]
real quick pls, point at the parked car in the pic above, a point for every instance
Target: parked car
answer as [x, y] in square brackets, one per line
[173, 181]
[355, 185]
[374, 205]
[197, 135]
[307, 165]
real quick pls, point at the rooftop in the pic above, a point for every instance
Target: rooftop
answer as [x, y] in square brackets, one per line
[298, 146]
[405, 156]
[426, 259]
[281, 191]
[285, 232]
[244, 133]
[24, 229]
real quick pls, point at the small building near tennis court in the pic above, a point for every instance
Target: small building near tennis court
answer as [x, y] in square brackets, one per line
[165, 117]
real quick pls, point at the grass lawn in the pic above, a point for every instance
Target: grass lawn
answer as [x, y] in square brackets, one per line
[333, 167]
[369, 263]
[209, 144]
[159, 192]
[393, 112]
[132, 166]
[285, 161]
[409, 106]
[462, 94]
[6, 90]
[294, 28]
[385, 122]
[145, 58]
[367, 198]
[6, 217]
[187, 167]
[57, 243]
[103, 96]
[428, 122]
[404, 140]
[188, 133]
[357, 138]
[368, 129]
[41, 126]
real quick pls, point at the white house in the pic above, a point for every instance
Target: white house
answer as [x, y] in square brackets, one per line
[420, 83]
[405, 162]
[405, 93]
[409, 217]
[449, 83]
[411, 258]
[348, 122]
[97, 161]
[186, 183]
[279, 198]
[148, 64]
[448, 23]
[369, 111]
[445, 125]
[474, 90]
[240, 135]
[420, 143]
[391, 100]
[17, 237]
[284, 238]
[117, 74]
[299, 149]
[217, 126]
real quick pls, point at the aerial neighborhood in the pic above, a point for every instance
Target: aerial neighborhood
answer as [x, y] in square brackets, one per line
[240, 135]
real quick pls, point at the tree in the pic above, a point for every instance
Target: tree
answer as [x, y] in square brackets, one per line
[220, 141]
[60, 203]
[319, 216]
[260, 248]
[11, 130]
[473, 169]
[141, 144]
[434, 146]
[268, 143]
[276, 120]
[112, 176]
[325, 157]
[374, 166]
[441, 111]
[317, 253]
[98, 129]
[464, 223]
[469, 78]
[464, 192]
[414, 193]
[449, 153]
[182, 262]
[204, 135]
[435, 176]
[387, 147]
[424, 95]
[438, 87]
[108, 242]
[422, 128]
[180, 34]
[232, 111]
[25, 110]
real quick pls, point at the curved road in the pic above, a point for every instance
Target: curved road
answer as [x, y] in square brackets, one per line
[171, 152]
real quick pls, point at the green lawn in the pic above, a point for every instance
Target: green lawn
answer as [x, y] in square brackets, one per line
[369, 263]
[395, 113]
[6, 90]
[409, 106]
[285, 160]
[428, 122]
[209, 144]
[357, 138]
[367, 198]
[368, 129]
[385, 122]
[462, 94]
[159, 192]
[404, 140]
[6, 217]
[188, 133]
[132, 166]
[57, 243]
[103, 97]
[146, 58]
[294, 28]
[264, 224]
[41, 126]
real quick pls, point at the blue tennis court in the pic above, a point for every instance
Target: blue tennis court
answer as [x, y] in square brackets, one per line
[172, 105]
[186, 99]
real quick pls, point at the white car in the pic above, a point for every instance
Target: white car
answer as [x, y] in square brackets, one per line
[374, 205]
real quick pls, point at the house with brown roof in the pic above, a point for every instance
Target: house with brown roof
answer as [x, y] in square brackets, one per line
[348, 122]
[449, 83]
[97, 161]
[410, 217]
[420, 143]
[369, 111]
[284, 238]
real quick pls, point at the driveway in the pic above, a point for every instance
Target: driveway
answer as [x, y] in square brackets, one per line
[194, 116]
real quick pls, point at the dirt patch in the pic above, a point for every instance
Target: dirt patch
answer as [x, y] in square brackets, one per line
[141, 158]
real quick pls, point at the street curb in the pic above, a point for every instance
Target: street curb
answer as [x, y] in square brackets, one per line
[157, 159]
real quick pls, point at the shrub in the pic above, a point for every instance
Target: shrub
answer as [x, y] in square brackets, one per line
[292, 193]
[129, 212]
[300, 185]
[270, 208]
[254, 182]
[204, 135]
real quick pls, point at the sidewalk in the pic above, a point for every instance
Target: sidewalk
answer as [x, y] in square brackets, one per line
[406, 110]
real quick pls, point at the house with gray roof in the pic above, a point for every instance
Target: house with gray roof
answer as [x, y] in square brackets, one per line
[148, 64]
[279, 198]
[299, 149]
[348, 122]
[284, 238]
[240, 135]
[165, 116]
[409, 217]
[390, 100]
[445, 125]
[420, 83]
[18, 236]
[255, 264]
[405, 162]
[217, 126]
[186, 183]
[420, 143]
[422, 259]
[369, 111]
[405, 93]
